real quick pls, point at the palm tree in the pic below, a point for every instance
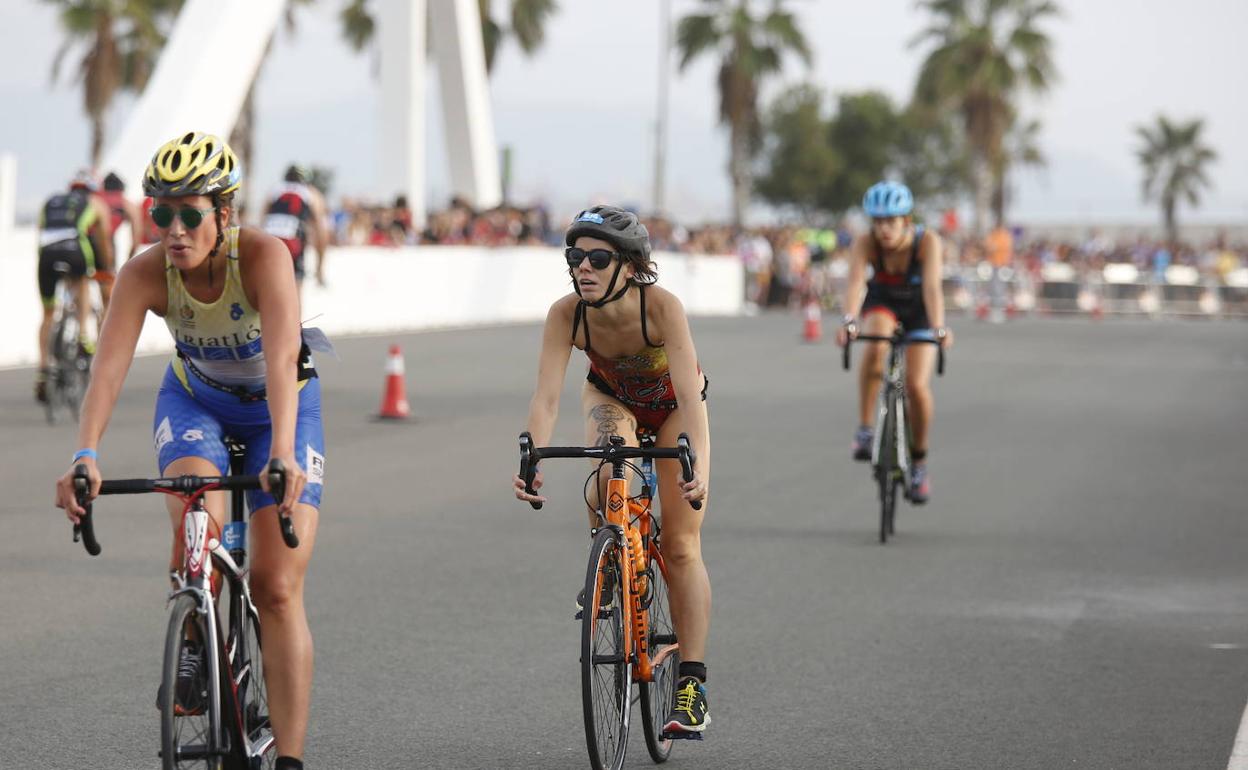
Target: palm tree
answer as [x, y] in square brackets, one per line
[1020, 147]
[750, 48]
[985, 54]
[1174, 159]
[527, 25]
[123, 39]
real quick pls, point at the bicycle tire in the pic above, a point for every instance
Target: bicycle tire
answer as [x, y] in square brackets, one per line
[657, 695]
[247, 671]
[885, 471]
[77, 374]
[54, 387]
[606, 675]
[181, 732]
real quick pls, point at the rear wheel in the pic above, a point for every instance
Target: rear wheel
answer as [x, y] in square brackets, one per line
[55, 383]
[656, 697]
[188, 738]
[606, 676]
[247, 670]
[69, 368]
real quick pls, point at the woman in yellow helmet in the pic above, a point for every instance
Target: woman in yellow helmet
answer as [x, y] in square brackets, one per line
[216, 286]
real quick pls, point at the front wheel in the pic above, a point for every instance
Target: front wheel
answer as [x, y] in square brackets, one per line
[886, 472]
[188, 737]
[656, 696]
[606, 676]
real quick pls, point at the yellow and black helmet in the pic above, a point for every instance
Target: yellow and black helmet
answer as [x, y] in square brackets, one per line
[192, 164]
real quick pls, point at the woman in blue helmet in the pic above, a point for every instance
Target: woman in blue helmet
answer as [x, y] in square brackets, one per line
[904, 288]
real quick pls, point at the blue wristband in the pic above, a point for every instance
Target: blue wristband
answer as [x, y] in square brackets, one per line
[81, 453]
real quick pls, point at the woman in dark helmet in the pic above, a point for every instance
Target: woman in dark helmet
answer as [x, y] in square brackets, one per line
[217, 286]
[643, 374]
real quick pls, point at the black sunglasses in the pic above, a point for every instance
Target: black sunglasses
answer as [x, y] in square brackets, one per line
[162, 215]
[598, 258]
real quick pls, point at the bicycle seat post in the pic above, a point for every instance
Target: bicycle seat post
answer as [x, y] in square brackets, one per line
[235, 531]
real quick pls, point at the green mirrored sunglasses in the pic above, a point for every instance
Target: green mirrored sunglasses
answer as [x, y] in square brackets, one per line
[162, 215]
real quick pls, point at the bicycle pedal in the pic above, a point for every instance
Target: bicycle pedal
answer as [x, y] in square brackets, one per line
[681, 735]
[602, 614]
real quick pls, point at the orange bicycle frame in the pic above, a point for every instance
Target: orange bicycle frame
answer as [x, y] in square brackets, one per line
[622, 511]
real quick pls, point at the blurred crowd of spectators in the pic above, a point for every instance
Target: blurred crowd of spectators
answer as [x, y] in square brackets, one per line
[788, 264]
[783, 264]
[358, 223]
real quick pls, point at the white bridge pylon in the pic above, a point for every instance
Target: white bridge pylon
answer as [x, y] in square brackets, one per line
[216, 47]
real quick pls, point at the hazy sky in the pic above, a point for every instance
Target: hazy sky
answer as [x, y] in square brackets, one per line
[580, 114]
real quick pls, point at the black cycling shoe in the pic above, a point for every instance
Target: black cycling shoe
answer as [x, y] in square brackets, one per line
[41, 386]
[689, 715]
[189, 696]
[606, 599]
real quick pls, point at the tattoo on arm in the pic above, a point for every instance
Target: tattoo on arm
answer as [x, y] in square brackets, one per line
[609, 419]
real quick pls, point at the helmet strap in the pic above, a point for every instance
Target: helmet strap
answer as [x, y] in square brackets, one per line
[220, 239]
[607, 295]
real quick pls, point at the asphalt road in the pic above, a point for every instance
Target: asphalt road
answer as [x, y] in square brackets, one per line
[1075, 595]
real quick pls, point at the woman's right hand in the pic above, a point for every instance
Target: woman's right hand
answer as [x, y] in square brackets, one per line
[846, 332]
[65, 496]
[518, 485]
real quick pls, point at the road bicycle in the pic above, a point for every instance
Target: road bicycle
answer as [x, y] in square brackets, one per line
[627, 636]
[890, 448]
[222, 721]
[69, 363]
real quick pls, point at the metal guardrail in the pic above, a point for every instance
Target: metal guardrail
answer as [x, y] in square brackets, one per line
[1116, 289]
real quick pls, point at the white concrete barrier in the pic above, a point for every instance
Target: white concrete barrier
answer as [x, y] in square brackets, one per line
[374, 289]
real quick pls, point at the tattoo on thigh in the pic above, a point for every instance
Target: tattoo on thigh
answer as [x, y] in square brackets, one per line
[609, 418]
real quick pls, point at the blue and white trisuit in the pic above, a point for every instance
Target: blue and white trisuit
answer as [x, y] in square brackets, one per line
[214, 387]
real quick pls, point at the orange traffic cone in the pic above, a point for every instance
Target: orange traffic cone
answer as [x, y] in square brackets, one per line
[812, 329]
[394, 400]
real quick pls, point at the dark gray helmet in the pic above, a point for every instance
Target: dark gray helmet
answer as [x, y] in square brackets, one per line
[615, 225]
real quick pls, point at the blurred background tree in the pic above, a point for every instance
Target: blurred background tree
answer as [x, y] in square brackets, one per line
[1174, 157]
[123, 39]
[750, 49]
[985, 54]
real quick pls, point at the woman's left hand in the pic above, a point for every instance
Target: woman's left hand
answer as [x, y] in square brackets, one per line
[295, 481]
[695, 489]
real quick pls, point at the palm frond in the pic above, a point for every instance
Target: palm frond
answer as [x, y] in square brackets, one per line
[528, 22]
[695, 35]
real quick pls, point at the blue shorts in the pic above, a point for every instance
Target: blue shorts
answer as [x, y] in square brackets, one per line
[193, 419]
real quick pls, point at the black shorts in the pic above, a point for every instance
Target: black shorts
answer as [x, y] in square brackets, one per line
[911, 314]
[57, 259]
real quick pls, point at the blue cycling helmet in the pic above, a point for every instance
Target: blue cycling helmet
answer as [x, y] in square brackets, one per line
[888, 199]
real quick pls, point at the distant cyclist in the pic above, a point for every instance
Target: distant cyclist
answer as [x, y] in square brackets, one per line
[904, 287]
[240, 370]
[297, 215]
[643, 373]
[73, 235]
[121, 211]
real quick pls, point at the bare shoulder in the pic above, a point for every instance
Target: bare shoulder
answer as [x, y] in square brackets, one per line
[930, 244]
[564, 307]
[861, 246]
[143, 277]
[147, 266]
[256, 245]
[664, 303]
